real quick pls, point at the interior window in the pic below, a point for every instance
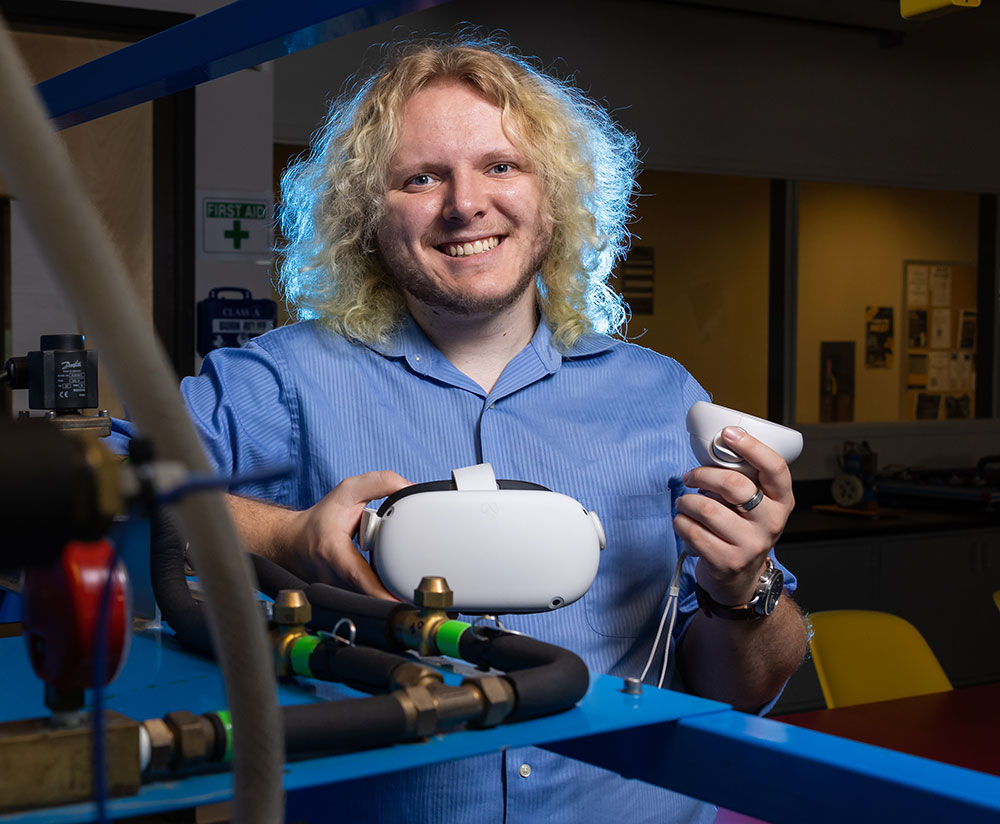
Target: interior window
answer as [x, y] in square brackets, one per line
[886, 304]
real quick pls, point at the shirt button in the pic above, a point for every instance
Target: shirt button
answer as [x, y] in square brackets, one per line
[492, 405]
[524, 770]
[416, 357]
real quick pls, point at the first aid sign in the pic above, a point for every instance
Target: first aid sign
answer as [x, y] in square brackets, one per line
[236, 227]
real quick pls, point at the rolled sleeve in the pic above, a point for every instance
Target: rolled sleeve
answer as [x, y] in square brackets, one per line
[240, 408]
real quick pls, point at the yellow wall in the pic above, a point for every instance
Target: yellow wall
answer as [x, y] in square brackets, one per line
[710, 235]
[852, 244]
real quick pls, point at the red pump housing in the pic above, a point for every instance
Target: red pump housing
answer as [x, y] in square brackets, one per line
[60, 610]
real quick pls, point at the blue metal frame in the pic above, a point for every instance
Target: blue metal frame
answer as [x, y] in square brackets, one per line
[698, 747]
[789, 775]
[234, 37]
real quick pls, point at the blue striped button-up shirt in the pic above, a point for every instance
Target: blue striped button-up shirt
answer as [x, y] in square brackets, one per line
[602, 423]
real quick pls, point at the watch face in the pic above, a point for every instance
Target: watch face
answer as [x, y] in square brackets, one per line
[771, 587]
[771, 601]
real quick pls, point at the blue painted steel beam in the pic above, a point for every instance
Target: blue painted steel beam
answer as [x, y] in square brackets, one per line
[790, 775]
[698, 747]
[242, 34]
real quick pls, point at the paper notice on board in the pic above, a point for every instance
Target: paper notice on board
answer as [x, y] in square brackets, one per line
[916, 331]
[960, 371]
[940, 328]
[967, 329]
[916, 372]
[937, 371]
[941, 286]
[917, 285]
[927, 406]
[957, 406]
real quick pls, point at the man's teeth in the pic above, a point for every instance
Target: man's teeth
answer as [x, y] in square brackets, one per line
[475, 248]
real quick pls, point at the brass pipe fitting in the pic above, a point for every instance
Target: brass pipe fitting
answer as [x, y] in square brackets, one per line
[412, 674]
[161, 743]
[193, 735]
[292, 611]
[106, 471]
[417, 629]
[432, 706]
[497, 697]
[456, 706]
[419, 709]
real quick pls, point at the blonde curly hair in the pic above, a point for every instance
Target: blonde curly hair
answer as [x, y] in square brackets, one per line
[334, 197]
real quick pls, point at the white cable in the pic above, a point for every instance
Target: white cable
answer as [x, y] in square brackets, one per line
[75, 242]
[673, 595]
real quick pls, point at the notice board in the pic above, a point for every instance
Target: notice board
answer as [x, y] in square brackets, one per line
[939, 339]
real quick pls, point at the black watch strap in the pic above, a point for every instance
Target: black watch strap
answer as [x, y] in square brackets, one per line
[743, 612]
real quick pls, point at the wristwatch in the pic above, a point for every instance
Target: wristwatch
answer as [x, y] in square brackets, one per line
[765, 598]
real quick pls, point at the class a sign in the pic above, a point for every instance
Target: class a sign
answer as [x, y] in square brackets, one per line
[232, 321]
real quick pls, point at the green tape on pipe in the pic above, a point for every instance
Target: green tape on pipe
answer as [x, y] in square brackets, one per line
[448, 636]
[299, 656]
[227, 722]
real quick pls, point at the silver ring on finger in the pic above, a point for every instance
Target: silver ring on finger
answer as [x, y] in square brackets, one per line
[752, 502]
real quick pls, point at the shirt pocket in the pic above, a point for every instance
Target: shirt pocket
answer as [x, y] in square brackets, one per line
[636, 564]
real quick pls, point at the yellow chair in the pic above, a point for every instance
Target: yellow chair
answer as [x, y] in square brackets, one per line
[863, 656]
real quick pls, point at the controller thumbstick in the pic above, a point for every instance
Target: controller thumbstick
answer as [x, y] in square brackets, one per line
[723, 452]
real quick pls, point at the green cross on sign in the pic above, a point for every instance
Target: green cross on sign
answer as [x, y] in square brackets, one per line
[236, 234]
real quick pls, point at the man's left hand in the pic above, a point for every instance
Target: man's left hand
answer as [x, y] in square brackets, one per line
[733, 546]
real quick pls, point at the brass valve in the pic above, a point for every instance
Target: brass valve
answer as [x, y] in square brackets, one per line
[433, 593]
[292, 608]
[416, 629]
[292, 611]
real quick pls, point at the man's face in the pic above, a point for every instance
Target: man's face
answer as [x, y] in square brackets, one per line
[463, 230]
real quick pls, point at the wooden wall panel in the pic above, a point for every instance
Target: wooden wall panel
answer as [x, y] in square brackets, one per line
[113, 156]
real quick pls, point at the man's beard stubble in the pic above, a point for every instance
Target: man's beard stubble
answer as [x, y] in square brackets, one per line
[414, 283]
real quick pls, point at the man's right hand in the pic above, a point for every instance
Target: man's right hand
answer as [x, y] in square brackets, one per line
[326, 549]
[317, 543]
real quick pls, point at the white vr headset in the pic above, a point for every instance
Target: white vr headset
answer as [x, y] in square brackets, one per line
[503, 546]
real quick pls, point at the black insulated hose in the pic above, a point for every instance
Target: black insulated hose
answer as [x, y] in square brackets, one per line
[371, 617]
[179, 609]
[335, 727]
[546, 678]
[363, 668]
[272, 577]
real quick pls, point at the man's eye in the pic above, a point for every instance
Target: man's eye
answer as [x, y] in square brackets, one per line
[502, 168]
[419, 180]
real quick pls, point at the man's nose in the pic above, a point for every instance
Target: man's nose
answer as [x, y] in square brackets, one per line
[466, 197]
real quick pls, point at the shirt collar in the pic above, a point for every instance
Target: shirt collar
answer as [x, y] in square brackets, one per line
[405, 342]
[410, 342]
[591, 343]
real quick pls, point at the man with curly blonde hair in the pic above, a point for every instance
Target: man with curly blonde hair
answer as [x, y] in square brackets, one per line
[335, 199]
[449, 240]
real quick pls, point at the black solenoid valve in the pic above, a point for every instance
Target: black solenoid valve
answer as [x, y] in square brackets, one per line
[62, 376]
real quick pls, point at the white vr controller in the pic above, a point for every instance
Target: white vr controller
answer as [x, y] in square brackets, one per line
[705, 422]
[503, 546]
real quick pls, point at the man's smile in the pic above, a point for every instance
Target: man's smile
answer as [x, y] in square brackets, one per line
[470, 247]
